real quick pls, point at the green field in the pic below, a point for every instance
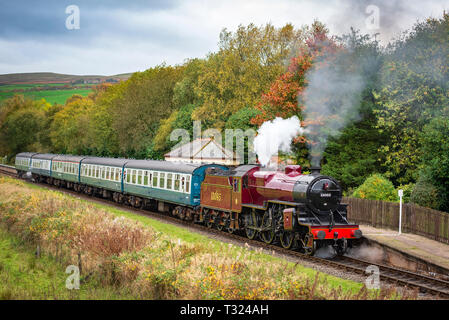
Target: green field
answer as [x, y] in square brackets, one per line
[51, 96]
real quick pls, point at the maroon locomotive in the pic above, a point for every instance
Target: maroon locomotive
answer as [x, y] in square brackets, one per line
[301, 210]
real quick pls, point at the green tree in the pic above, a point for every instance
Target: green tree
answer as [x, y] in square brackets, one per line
[376, 187]
[147, 98]
[425, 193]
[246, 64]
[21, 125]
[435, 159]
[70, 127]
[415, 89]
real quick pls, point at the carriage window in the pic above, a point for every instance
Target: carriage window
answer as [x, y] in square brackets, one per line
[169, 181]
[155, 176]
[128, 175]
[139, 177]
[133, 176]
[177, 182]
[145, 177]
[162, 180]
[188, 184]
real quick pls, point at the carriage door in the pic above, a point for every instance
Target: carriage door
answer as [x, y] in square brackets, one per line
[236, 194]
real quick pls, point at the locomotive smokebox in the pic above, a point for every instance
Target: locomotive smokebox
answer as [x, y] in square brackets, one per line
[315, 170]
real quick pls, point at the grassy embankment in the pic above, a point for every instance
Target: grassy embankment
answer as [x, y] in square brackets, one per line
[124, 255]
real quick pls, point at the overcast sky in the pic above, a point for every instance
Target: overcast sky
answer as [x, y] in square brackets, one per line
[117, 36]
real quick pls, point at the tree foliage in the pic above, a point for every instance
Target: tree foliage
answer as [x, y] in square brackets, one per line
[244, 67]
[415, 89]
[435, 159]
[376, 187]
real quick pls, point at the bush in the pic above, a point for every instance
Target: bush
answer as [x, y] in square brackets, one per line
[376, 187]
[425, 193]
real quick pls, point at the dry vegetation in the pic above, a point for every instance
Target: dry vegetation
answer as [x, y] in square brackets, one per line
[121, 253]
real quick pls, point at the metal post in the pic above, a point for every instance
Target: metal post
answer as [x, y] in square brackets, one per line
[400, 193]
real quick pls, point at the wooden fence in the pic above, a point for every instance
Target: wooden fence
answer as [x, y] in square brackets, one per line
[425, 222]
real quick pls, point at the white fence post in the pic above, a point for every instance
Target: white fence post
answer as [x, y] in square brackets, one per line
[400, 193]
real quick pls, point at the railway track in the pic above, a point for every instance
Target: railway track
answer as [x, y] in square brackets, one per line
[398, 277]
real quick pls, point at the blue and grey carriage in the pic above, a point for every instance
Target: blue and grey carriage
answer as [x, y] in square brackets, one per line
[38, 164]
[23, 162]
[171, 182]
[162, 184]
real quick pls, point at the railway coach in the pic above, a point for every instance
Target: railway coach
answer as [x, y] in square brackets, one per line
[23, 162]
[166, 186]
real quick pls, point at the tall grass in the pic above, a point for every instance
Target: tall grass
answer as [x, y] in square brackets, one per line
[123, 253]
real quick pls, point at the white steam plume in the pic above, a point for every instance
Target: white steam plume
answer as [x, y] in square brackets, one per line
[332, 100]
[276, 135]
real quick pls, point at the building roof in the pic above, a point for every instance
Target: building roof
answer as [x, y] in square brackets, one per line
[207, 149]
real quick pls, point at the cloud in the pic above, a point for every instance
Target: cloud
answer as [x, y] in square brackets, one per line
[117, 36]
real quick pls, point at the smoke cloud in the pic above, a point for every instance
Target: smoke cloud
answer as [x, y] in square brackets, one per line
[274, 136]
[332, 99]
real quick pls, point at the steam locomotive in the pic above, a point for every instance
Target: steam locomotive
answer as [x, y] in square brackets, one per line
[302, 212]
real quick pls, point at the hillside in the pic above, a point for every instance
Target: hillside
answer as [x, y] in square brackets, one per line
[50, 77]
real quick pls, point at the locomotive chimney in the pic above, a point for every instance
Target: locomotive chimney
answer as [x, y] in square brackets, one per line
[315, 170]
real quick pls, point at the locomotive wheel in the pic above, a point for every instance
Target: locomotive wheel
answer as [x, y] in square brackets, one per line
[209, 223]
[286, 238]
[310, 250]
[267, 236]
[219, 222]
[251, 222]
